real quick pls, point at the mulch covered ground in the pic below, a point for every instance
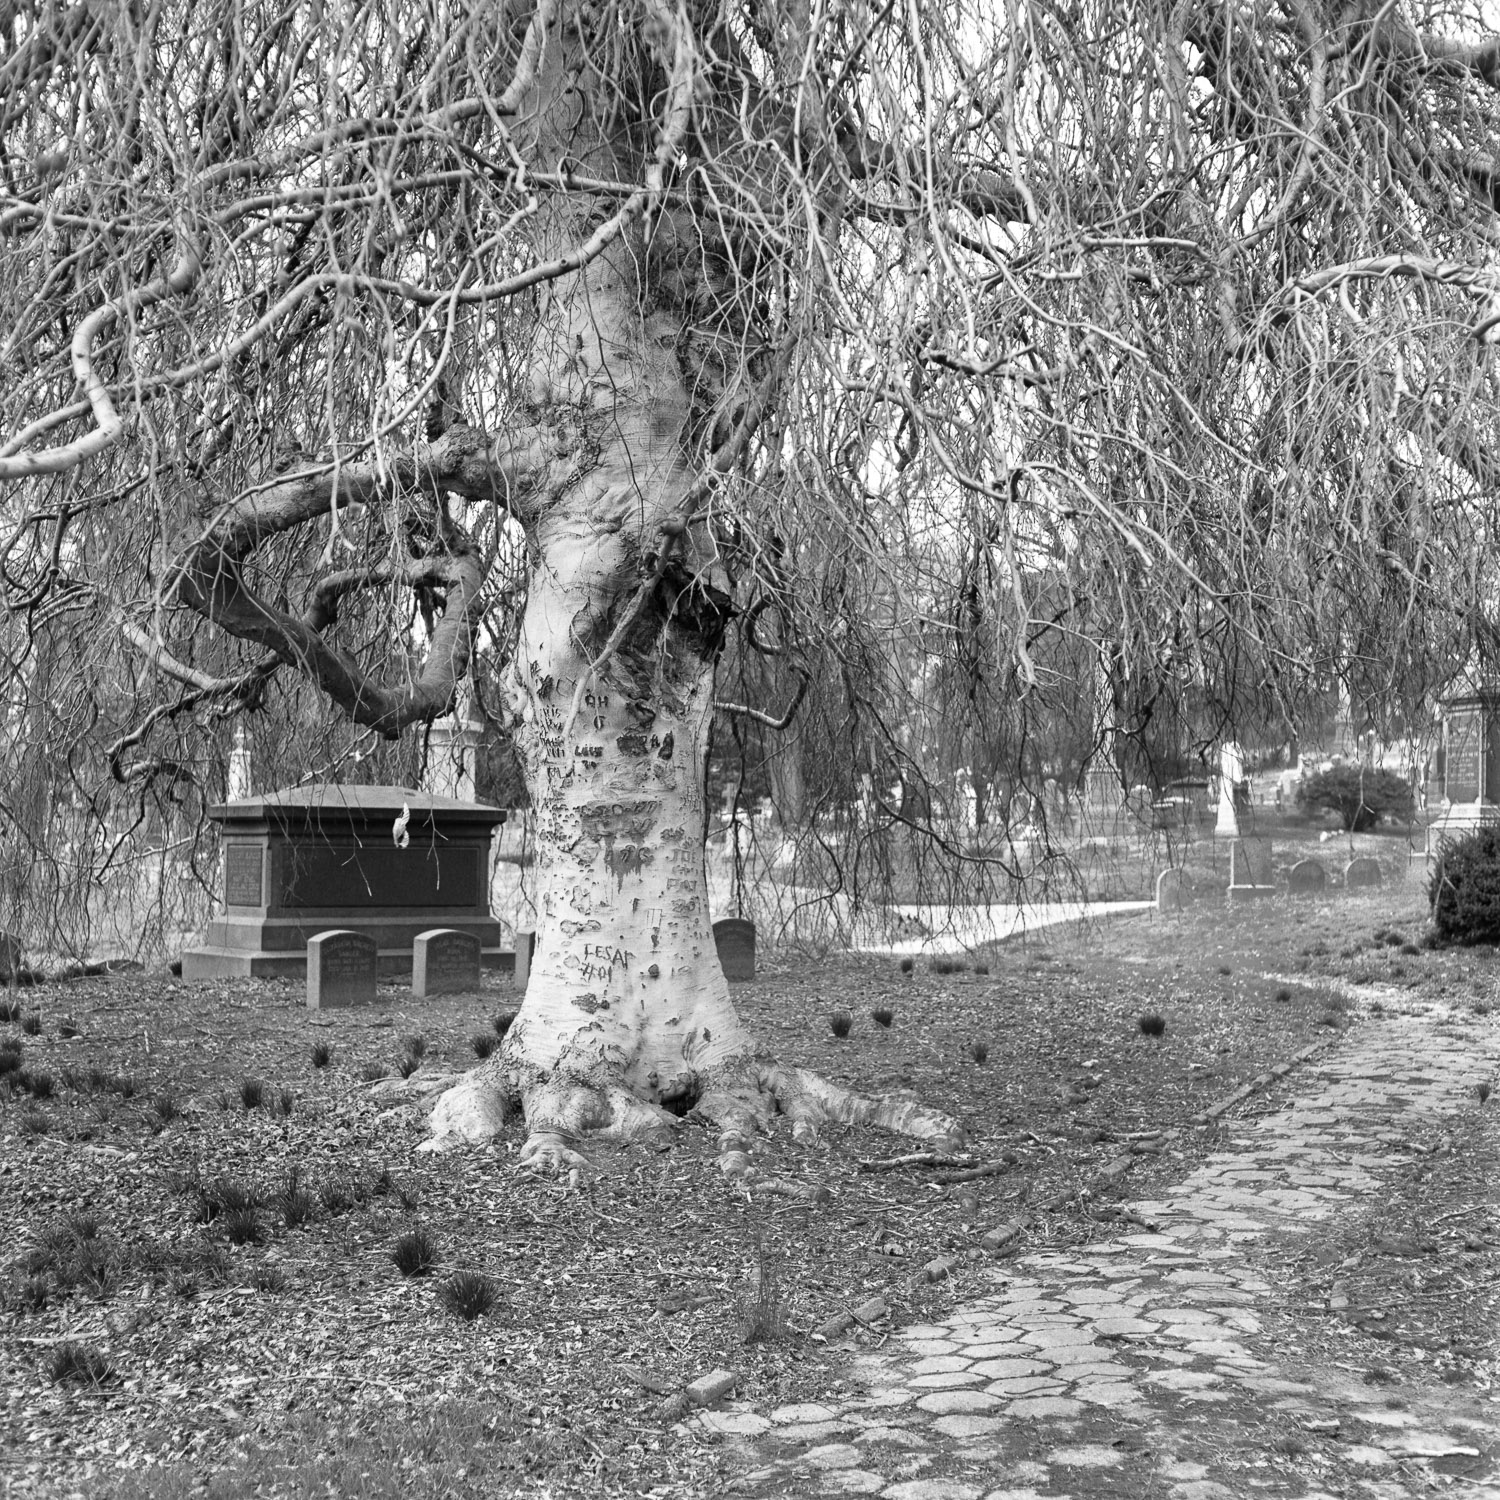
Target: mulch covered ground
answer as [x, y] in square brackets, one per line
[304, 1360]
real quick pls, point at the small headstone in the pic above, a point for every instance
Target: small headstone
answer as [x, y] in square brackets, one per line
[1307, 877]
[340, 970]
[1362, 873]
[1171, 891]
[444, 961]
[1250, 863]
[525, 953]
[735, 937]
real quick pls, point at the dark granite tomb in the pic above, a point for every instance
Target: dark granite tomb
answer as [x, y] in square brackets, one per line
[313, 859]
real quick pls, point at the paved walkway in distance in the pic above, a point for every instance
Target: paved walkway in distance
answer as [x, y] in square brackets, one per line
[1140, 1366]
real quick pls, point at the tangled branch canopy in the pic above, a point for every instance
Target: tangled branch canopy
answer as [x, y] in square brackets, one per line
[1013, 332]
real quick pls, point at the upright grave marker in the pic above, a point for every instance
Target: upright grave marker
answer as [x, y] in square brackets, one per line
[1362, 873]
[735, 939]
[1307, 878]
[340, 970]
[444, 962]
[1250, 873]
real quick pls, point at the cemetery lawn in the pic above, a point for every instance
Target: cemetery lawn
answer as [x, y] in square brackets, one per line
[303, 1361]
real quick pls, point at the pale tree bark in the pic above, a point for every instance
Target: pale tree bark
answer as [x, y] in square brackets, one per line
[627, 1022]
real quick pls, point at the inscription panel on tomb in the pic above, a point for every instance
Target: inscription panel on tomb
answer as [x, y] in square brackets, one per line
[243, 885]
[355, 877]
[1463, 768]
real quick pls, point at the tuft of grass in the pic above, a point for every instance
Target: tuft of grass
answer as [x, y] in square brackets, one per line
[468, 1294]
[283, 1102]
[32, 1024]
[73, 1363]
[242, 1226]
[25, 1294]
[763, 1310]
[414, 1253]
[39, 1085]
[67, 1028]
[336, 1197]
[979, 1050]
[33, 1122]
[268, 1278]
[1410, 949]
[981, 967]
[1225, 969]
[842, 1023]
[908, 964]
[947, 964]
[10, 1010]
[504, 1021]
[10, 1056]
[1283, 995]
[123, 1085]
[416, 1046]
[1152, 1024]
[220, 1198]
[322, 1054]
[1483, 1091]
[373, 1072]
[408, 1065]
[252, 1093]
[165, 1108]
[883, 1015]
[482, 1043]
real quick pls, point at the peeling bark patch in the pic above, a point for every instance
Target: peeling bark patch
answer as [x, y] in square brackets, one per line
[631, 744]
[668, 744]
[589, 1002]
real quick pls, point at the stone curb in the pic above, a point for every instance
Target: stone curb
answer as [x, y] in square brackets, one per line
[1262, 1081]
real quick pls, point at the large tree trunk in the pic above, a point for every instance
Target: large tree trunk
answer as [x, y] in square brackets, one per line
[627, 1022]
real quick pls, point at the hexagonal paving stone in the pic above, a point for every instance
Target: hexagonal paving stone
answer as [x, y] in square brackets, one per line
[952, 1403]
[854, 1481]
[947, 1381]
[1087, 1456]
[932, 1489]
[833, 1456]
[939, 1364]
[1057, 1337]
[810, 1432]
[1006, 1369]
[1110, 1394]
[803, 1411]
[967, 1425]
[734, 1423]
[1026, 1385]
[1044, 1406]
[1183, 1380]
[1123, 1327]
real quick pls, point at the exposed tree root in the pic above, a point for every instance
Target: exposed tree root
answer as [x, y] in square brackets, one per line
[741, 1103]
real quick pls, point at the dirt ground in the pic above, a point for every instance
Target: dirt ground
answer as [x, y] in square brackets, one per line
[303, 1359]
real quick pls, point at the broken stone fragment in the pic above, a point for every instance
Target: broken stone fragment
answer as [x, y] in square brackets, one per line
[707, 1389]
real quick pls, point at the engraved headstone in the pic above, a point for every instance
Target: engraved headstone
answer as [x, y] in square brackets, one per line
[444, 961]
[340, 970]
[1362, 873]
[1306, 878]
[735, 938]
[1171, 891]
[1250, 872]
[525, 953]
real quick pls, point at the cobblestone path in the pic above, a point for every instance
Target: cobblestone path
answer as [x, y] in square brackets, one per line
[1161, 1364]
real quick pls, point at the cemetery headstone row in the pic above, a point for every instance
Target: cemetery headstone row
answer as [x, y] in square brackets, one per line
[341, 967]
[1251, 875]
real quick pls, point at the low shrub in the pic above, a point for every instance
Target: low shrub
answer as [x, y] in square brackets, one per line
[252, 1093]
[1360, 795]
[322, 1054]
[1464, 889]
[841, 1023]
[483, 1043]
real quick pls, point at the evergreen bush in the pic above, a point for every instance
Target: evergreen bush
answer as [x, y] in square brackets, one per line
[1360, 795]
[1464, 891]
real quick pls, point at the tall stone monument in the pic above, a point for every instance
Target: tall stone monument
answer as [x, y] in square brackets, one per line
[1233, 798]
[452, 749]
[1471, 765]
